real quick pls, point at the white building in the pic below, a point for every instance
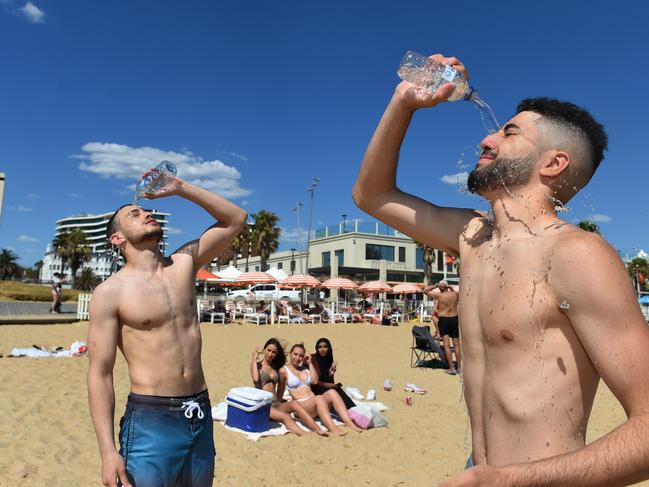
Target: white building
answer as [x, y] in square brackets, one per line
[94, 227]
[360, 248]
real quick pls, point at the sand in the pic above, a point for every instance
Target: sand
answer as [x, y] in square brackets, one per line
[47, 438]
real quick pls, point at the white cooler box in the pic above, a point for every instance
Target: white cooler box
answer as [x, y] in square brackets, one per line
[248, 409]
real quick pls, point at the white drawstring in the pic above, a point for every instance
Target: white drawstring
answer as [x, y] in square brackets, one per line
[190, 407]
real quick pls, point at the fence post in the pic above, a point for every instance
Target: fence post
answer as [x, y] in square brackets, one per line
[83, 302]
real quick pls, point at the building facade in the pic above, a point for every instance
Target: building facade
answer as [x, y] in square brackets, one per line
[94, 228]
[363, 251]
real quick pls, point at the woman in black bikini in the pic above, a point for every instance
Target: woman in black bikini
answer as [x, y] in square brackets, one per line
[298, 375]
[265, 376]
[325, 365]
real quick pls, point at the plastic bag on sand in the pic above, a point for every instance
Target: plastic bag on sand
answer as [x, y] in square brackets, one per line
[367, 417]
[78, 348]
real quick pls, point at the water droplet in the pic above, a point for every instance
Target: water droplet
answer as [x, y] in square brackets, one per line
[564, 305]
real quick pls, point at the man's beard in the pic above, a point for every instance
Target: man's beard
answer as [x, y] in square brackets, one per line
[502, 172]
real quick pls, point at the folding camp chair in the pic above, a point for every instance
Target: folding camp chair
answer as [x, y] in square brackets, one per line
[424, 347]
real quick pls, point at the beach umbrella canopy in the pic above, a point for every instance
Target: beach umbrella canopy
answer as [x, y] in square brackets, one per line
[255, 278]
[205, 275]
[300, 281]
[339, 283]
[229, 274]
[406, 288]
[278, 274]
[372, 287]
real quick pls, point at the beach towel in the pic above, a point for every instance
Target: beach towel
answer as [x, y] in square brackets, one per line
[220, 413]
[77, 349]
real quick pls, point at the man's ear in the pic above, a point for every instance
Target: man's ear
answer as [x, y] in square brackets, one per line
[557, 163]
[117, 239]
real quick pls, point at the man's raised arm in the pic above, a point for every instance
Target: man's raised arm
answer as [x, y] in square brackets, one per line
[376, 192]
[216, 238]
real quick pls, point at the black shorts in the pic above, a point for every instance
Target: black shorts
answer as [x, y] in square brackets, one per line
[448, 325]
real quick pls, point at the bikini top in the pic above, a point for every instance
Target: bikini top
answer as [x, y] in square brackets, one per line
[265, 377]
[294, 381]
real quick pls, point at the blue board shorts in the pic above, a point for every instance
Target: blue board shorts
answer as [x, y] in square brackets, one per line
[168, 441]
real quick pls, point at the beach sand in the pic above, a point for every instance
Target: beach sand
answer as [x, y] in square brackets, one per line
[47, 438]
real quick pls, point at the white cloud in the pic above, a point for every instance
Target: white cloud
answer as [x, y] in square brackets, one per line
[123, 162]
[173, 230]
[27, 238]
[20, 208]
[245, 202]
[599, 218]
[74, 195]
[459, 178]
[34, 14]
[239, 156]
[32, 196]
[292, 235]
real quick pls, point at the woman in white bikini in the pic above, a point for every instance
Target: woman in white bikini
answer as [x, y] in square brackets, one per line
[265, 376]
[298, 375]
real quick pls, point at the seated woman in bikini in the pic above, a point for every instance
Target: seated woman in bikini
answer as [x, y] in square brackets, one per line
[298, 375]
[265, 376]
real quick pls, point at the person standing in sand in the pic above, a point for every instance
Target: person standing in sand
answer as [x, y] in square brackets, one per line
[447, 322]
[148, 311]
[537, 332]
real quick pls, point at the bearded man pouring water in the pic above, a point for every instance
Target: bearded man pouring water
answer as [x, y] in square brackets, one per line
[536, 331]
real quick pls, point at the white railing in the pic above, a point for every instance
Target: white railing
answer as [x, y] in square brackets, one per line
[83, 305]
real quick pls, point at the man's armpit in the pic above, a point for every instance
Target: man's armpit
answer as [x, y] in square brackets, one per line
[190, 248]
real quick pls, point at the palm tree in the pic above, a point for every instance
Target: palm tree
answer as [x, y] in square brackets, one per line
[9, 264]
[265, 235]
[87, 280]
[239, 244]
[589, 226]
[429, 259]
[73, 249]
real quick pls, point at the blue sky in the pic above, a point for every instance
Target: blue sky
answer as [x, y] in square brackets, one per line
[254, 99]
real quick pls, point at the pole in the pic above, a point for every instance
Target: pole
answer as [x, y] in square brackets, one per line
[314, 184]
[299, 234]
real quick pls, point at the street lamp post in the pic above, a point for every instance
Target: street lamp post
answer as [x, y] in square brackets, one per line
[299, 232]
[311, 190]
[292, 261]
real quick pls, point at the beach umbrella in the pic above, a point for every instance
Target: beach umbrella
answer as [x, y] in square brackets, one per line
[279, 274]
[406, 288]
[205, 276]
[300, 281]
[339, 283]
[374, 287]
[255, 278]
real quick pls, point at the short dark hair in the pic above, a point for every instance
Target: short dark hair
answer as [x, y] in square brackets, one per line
[113, 225]
[573, 117]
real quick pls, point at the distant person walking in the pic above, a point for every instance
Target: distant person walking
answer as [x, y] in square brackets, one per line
[57, 284]
[148, 310]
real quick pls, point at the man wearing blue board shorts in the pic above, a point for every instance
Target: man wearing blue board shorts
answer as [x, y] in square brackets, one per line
[148, 310]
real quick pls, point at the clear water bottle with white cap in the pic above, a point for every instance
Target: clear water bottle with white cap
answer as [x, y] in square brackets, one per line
[156, 179]
[431, 75]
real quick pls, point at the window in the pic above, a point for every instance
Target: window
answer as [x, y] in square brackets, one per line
[379, 252]
[402, 254]
[256, 268]
[341, 257]
[419, 258]
[326, 259]
[280, 265]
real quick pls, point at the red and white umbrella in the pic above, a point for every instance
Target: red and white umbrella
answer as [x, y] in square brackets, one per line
[339, 283]
[205, 275]
[373, 287]
[255, 278]
[406, 288]
[300, 281]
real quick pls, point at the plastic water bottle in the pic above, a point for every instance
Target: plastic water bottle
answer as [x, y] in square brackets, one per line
[157, 179]
[430, 75]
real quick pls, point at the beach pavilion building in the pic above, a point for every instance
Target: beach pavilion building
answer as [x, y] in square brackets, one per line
[94, 227]
[361, 251]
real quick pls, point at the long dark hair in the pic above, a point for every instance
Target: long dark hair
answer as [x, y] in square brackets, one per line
[280, 359]
[324, 363]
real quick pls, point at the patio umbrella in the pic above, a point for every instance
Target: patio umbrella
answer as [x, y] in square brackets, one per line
[338, 283]
[205, 276]
[373, 287]
[300, 281]
[406, 288]
[255, 278]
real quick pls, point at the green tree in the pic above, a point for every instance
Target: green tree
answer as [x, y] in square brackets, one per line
[589, 226]
[9, 264]
[239, 245]
[429, 259]
[73, 249]
[265, 235]
[87, 280]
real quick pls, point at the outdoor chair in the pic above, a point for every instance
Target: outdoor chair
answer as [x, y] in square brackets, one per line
[257, 318]
[424, 347]
[313, 318]
[216, 316]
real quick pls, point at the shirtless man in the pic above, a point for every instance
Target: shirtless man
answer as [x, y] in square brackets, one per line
[546, 308]
[148, 310]
[447, 326]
